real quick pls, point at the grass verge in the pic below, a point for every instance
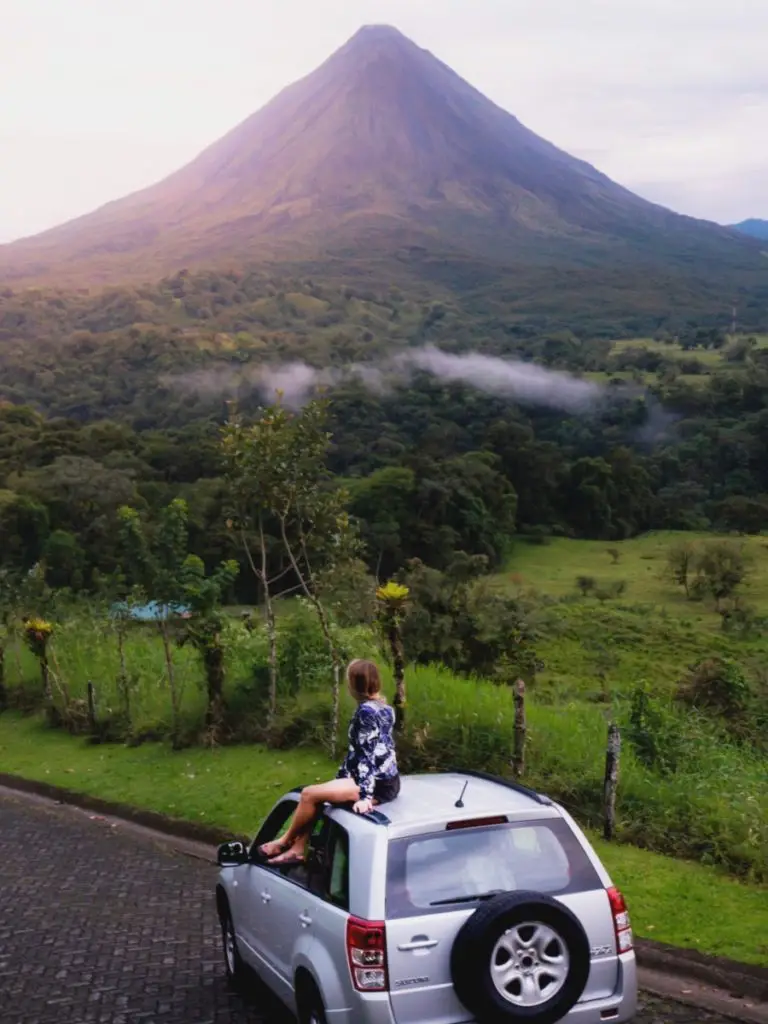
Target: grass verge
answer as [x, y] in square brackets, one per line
[674, 901]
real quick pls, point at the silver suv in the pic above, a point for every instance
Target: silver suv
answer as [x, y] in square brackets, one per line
[469, 898]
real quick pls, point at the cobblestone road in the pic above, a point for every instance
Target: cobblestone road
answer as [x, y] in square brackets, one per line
[101, 926]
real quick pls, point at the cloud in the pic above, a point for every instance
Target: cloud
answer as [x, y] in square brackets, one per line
[296, 381]
[523, 382]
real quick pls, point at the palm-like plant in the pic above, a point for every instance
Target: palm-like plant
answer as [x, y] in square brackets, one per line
[392, 600]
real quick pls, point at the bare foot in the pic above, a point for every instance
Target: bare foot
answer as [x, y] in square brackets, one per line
[293, 856]
[272, 849]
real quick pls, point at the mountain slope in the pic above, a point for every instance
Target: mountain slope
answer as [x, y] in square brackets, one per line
[382, 148]
[754, 227]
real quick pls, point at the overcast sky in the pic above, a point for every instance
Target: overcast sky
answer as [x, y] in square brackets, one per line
[101, 97]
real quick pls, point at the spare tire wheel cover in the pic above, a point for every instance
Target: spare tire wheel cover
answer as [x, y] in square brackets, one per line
[520, 956]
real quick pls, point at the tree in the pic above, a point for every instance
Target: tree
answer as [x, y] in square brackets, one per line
[37, 635]
[392, 600]
[83, 496]
[204, 596]
[743, 515]
[384, 502]
[277, 470]
[158, 558]
[63, 559]
[457, 619]
[314, 524]
[9, 586]
[121, 615]
[256, 458]
[155, 564]
[680, 562]
[24, 526]
[723, 566]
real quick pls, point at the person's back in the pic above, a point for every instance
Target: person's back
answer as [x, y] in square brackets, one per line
[371, 753]
[369, 774]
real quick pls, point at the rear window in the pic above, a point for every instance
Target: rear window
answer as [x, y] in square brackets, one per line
[442, 870]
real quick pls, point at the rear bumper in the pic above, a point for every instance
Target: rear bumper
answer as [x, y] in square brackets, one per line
[619, 1007]
[375, 1008]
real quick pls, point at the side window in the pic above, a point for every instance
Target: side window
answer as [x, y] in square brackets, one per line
[338, 867]
[275, 824]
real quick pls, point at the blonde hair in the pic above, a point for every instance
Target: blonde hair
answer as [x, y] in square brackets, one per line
[364, 679]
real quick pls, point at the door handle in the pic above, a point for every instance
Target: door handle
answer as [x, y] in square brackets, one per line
[265, 897]
[305, 919]
[406, 947]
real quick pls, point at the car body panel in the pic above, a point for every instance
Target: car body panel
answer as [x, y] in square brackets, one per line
[296, 930]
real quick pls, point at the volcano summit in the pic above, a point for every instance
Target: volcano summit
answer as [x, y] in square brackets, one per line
[382, 150]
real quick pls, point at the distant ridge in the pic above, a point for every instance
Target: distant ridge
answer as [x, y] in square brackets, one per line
[381, 153]
[753, 227]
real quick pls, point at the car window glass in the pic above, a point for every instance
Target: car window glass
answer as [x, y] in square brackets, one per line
[338, 882]
[274, 824]
[428, 872]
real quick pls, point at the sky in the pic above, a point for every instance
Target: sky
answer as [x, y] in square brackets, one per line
[99, 98]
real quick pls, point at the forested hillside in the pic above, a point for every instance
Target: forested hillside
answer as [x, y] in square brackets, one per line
[119, 397]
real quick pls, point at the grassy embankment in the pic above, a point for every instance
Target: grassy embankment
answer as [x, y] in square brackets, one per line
[713, 807]
[674, 901]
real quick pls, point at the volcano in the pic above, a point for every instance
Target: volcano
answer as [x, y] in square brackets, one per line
[381, 150]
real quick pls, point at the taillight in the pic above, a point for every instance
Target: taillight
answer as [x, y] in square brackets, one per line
[621, 923]
[367, 954]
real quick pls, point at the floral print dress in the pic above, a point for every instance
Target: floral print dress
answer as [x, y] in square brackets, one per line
[371, 753]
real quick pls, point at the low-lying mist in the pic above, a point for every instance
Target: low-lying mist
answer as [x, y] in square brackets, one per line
[526, 383]
[297, 381]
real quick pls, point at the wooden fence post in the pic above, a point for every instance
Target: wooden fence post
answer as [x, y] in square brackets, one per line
[518, 758]
[612, 756]
[91, 708]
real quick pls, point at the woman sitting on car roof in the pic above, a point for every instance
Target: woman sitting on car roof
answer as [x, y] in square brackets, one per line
[368, 776]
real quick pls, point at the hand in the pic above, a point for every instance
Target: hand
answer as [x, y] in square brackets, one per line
[363, 806]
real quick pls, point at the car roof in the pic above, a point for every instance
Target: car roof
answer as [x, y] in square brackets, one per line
[427, 802]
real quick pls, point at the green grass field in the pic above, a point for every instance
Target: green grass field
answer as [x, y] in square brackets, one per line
[651, 634]
[674, 901]
[706, 355]
[553, 568]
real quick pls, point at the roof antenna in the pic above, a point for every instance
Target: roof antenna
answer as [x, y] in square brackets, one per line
[460, 801]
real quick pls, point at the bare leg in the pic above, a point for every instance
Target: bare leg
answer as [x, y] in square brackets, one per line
[289, 847]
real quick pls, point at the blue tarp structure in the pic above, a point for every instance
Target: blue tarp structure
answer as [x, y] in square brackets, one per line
[152, 612]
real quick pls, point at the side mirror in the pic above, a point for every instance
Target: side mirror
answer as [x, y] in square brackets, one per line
[230, 855]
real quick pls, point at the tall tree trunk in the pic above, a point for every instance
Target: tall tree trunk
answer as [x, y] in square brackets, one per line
[45, 676]
[91, 692]
[611, 781]
[269, 619]
[262, 575]
[398, 666]
[214, 672]
[3, 691]
[122, 679]
[326, 630]
[172, 685]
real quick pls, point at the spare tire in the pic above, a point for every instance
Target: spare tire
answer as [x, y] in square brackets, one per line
[520, 957]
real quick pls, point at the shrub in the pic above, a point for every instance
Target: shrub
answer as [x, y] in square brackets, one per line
[586, 584]
[460, 621]
[706, 808]
[717, 686]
